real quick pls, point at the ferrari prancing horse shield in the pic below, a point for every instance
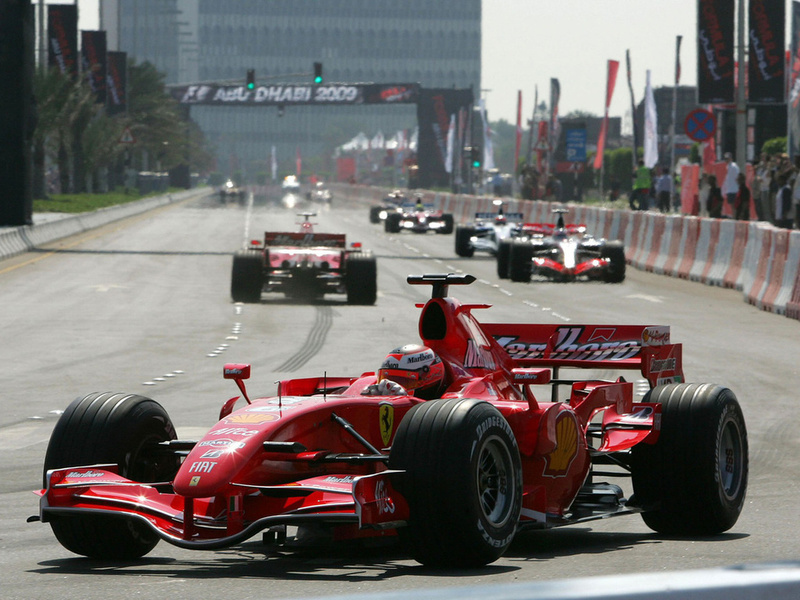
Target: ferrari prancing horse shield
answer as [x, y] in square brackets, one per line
[386, 420]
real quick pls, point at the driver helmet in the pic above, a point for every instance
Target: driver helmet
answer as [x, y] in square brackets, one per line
[417, 368]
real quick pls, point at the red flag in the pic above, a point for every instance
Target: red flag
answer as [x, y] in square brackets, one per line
[299, 161]
[613, 67]
[519, 129]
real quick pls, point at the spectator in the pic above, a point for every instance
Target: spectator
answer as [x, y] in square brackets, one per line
[714, 201]
[729, 187]
[642, 182]
[663, 187]
[784, 213]
[741, 209]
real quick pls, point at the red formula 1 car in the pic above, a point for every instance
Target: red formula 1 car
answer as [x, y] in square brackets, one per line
[511, 443]
[560, 252]
[304, 264]
[418, 218]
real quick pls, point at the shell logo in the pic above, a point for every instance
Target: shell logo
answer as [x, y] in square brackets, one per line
[557, 463]
[252, 418]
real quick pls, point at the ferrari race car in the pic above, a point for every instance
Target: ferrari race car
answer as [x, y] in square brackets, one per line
[562, 253]
[418, 218]
[391, 203]
[510, 443]
[487, 231]
[304, 264]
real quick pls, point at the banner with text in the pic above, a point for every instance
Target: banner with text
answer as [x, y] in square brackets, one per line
[293, 94]
[62, 38]
[715, 64]
[93, 62]
[765, 67]
[117, 83]
[793, 104]
[433, 117]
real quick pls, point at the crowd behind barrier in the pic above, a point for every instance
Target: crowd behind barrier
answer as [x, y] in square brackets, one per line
[753, 257]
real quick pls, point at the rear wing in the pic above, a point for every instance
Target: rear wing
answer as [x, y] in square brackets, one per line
[549, 228]
[645, 348]
[299, 238]
[490, 216]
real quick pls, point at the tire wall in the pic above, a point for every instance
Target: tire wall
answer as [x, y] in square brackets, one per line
[755, 258]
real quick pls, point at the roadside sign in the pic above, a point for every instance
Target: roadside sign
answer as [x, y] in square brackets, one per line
[576, 145]
[700, 125]
[127, 137]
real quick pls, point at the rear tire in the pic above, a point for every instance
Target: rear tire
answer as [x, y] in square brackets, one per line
[503, 254]
[693, 480]
[247, 276]
[463, 246]
[122, 429]
[615, 252]
[448, 224]
[392, 223]
[463, 482]
[361, 278]
[519, 261]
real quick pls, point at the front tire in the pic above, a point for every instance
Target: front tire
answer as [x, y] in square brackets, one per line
[375, 214]
[519, 261]
[615, 253]
[463, 482]
[392, 223]
[503, 254]
[448, 224]
[123, 429]
[463, 245]
[693, 480]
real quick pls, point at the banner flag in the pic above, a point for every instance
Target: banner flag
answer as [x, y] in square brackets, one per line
[793, 103]
[117, 83]
[765, 66]
[553, 129]
[678, 60]
[274, 165]
[62, 38]
[650, 127]
[298, 162]
[488, 148]
[93, 62]
[519, 129]
[715, 63]
[430, 140]
[613, 67]
[451, 135]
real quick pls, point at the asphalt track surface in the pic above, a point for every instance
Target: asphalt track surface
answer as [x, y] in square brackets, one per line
[143, 306]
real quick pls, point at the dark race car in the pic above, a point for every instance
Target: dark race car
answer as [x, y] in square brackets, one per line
[561, 252]
[390, 204]
[509, 442]
[304, 264]
[419, 218]
[487, 231]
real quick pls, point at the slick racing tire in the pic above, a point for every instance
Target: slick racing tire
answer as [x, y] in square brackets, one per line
[375, 214]
[247, 276]
[615, 253]
[447, 218]
[361, 278]
[519, 261]
[463, 245]
[503, 253]
[463, 482]
[111, 428]
[392, 223]
[693, 480]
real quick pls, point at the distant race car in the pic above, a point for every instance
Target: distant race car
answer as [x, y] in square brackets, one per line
[304, 264]
[486, 232]
[562, 253]
[391, 203]
[320, 194]
[419, 218]
[231, 191]
[509, 444]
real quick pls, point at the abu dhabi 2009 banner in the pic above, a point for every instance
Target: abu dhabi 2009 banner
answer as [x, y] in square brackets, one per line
[715, 59]
[62, 38]
[766, 63]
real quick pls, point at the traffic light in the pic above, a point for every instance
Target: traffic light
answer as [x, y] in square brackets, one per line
[317, 72]
[251, 79]
[475, 155]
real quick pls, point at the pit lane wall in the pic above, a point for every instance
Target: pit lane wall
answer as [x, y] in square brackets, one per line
[755, 258]
[16, 240]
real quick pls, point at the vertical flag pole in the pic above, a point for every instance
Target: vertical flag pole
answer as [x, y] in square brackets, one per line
[673, 127]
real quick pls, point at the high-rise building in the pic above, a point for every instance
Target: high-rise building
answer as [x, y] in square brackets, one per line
[436, 44]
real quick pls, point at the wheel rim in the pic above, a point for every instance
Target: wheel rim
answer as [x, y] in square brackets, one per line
[496, 481]
[731, 459]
